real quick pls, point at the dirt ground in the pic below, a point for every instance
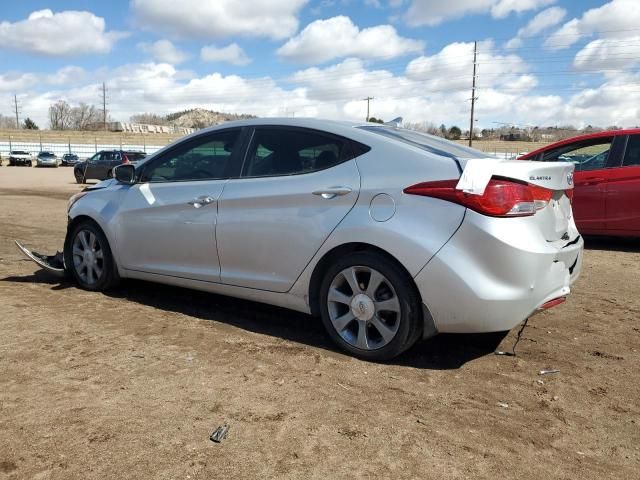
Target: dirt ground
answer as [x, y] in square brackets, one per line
[130, 384]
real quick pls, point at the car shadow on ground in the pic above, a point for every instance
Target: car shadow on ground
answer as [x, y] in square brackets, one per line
[442, 352]
[614, 244]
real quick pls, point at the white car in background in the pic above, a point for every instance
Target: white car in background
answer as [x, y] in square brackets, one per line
[387, 234]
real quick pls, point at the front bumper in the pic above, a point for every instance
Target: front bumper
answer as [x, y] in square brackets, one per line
[495, 273]
[47, 163]
[19, 161]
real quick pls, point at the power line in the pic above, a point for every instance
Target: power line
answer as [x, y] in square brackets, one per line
[473, 92]
[15, 102]
[368, 99]
[104, 105]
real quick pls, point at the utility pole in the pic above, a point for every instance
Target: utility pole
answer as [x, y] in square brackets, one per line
[473, 92]
[104, 105]
[15, 102]
[368, 99]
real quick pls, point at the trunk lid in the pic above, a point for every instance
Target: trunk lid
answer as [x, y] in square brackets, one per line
[555, 218]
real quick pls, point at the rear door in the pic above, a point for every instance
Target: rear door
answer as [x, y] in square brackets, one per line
[296, 186]
[623, 191]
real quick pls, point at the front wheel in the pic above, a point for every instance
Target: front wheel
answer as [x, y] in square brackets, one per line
[79, 176]
[370, 306]
[88, 256]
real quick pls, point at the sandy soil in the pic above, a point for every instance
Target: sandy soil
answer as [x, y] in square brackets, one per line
[130, 384]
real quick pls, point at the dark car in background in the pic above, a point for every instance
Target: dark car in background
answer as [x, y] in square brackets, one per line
[99, 166]
[69, 159]
[606, 197]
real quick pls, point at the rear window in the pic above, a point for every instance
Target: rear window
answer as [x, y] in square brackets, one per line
[134, 156]
[430, 143]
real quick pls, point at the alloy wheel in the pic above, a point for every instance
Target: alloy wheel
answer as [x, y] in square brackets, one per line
[88, 257]
[364, 308]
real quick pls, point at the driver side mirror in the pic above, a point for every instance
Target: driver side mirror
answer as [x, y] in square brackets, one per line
[125, 173]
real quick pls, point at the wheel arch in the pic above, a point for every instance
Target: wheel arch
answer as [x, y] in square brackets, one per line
[336, 252]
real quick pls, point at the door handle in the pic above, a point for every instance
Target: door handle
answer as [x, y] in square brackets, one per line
[331, 192]
[201, 201]
[592, 181]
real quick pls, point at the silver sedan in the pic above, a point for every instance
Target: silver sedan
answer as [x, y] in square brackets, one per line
[387, 234]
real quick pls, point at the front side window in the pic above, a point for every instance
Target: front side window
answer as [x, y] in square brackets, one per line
[586, 155]
[276, 151]
[632, 154]
[207, 158]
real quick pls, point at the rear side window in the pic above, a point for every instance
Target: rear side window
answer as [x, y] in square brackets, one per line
[586, 155]
[430, 143]
[287, 151]
[207, 158]
[632, 153]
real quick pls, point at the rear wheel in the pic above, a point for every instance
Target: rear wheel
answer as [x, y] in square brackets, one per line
[79, 176]
[89, 258]
[370, 306]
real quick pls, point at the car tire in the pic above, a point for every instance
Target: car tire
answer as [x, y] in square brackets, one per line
[79, 176]
[376, 321]
[87, 255]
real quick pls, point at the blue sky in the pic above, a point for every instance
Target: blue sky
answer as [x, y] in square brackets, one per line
[541, 61]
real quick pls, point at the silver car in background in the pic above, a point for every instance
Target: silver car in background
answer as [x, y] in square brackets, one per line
[47, 159]
[387, 234]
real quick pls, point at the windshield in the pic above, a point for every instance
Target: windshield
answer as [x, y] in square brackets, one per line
[46, 154]
[70, 155]
[430, 143]
[19, 152]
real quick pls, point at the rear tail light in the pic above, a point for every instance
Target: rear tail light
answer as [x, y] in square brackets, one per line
[501, 198]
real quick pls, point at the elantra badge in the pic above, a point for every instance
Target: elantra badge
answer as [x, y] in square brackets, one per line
[570, 178]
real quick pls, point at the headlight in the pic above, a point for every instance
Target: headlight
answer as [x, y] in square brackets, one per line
[74, 199]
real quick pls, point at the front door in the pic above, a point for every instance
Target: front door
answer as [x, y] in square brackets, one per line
[296, 187]
[167, 221]
[591, 158]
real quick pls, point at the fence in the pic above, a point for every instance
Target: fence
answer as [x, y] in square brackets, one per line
[83, 150]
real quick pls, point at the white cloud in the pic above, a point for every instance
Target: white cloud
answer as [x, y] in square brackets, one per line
[219, 18]
[164, 51]
[546, 19]
[503, 8]
[434, 12]
[65, 33]
[608, 54]
[617, 19]
[232, 53]
[432, 88]
[336, 37]
[451, 68]
[542, 21]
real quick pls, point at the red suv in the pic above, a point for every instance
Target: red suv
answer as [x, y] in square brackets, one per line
[607, 180]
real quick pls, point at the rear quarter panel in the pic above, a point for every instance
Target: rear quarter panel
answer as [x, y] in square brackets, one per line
[419, 227]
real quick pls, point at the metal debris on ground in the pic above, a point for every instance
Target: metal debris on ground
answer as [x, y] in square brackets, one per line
[546, 371]
[220, 433]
